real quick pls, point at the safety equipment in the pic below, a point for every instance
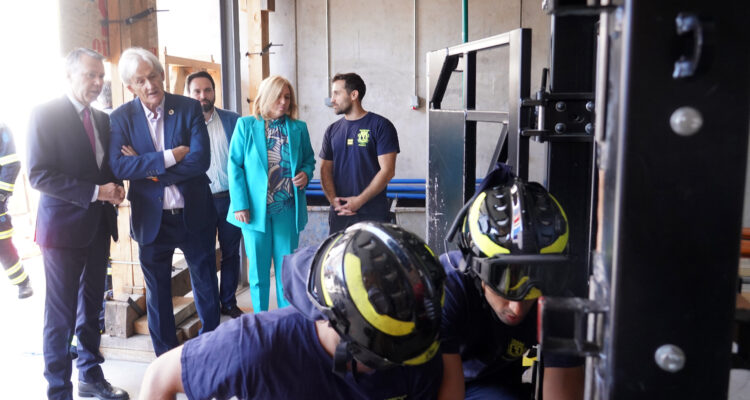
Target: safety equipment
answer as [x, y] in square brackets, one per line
[512, 236]
[381, 288]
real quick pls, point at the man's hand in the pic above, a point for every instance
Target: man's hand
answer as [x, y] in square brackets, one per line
[180, 152]
[346, 206]
[128, 151]
[242, 216]
[112, 193]
[300, 180]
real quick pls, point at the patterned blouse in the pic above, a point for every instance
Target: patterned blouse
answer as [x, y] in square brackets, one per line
[280, 189]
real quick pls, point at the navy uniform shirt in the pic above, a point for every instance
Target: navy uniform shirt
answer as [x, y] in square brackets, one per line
[354, 147]
[489, 349]
[277, 355]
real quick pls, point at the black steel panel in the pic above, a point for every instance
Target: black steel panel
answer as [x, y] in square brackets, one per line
[519, 71]
[445, 180]
[673, 204]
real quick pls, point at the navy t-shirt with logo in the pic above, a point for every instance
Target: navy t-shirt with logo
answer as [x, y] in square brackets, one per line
[354, 147]
[277, 355]
[490, 350]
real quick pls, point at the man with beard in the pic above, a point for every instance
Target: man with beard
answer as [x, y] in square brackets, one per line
[220, 124]
[358, 157]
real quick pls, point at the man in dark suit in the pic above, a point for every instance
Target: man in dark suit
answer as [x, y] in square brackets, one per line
[68, 164]
[220, 124]
[160, 143]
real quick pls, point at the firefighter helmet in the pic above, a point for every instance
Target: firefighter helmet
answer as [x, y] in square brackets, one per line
[506, 231]
[381, 288]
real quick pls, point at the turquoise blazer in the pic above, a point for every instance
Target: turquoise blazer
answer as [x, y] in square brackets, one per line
[248, 170]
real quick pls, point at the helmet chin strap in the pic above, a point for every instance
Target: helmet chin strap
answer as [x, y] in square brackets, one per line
[341, 357]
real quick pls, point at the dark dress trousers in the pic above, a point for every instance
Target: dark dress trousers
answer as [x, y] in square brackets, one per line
[229, 235]
[73, 233]
[157, 232]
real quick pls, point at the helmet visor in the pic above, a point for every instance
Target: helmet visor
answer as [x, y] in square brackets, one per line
[518, 278]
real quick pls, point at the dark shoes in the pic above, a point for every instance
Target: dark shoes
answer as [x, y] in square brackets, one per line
[24, 289]
[233, 312]
[101, 390]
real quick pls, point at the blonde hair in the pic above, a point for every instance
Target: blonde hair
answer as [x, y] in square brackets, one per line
[268, 92]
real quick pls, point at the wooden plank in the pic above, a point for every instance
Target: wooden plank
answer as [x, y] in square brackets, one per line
[179, 80]
[257, 26]
[135, 348]
[218, 92]
[745, 248]
[183, 308]
[743, 301]
[746, 233]
[189, 62]
[119, 315]
[190, 327]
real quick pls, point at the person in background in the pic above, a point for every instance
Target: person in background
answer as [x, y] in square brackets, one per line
[68, 165]
[220, 124]
[271, 161]
[358, 157]
[9, 167]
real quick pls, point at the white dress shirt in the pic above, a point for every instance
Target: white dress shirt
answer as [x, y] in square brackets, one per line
[172, 196]
[217, 171]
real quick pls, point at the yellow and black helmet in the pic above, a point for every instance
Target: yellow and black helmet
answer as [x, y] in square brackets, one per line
[381, 288]
[509, 236]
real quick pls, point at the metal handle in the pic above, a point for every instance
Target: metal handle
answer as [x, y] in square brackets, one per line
[686, 65]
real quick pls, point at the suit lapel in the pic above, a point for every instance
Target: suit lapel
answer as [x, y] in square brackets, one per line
[142, 142]
[259, 139]
[292, 136]
[79, 138]
[169, 122]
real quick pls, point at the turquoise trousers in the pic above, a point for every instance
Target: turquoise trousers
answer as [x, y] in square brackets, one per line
[279, 239]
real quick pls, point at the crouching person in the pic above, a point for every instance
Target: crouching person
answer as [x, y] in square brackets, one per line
[364, 324]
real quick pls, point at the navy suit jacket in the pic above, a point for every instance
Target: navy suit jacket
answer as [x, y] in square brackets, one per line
[183, 125]
[62, 166]
[228, 121]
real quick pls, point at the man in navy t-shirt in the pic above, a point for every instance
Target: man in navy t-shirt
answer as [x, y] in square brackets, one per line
[294, 352]
[491, 298]
[358, 157]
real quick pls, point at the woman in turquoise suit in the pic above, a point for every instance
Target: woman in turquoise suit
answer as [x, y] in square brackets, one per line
[271, 161]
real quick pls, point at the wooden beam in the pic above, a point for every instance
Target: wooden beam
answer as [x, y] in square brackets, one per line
[257, 26]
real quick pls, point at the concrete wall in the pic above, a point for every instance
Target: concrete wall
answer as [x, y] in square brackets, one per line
[377, 40]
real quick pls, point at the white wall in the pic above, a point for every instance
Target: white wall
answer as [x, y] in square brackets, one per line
[376, 40]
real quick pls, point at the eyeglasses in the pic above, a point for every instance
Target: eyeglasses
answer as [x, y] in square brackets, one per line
[153, 77]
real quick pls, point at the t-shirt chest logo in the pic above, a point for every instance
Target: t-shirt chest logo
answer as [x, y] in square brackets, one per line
[363, 137]
[515, 350]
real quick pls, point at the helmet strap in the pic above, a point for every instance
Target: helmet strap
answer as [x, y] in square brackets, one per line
[341, 358]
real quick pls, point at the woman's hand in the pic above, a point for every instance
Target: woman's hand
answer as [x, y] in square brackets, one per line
[242, 216]
[300, 180]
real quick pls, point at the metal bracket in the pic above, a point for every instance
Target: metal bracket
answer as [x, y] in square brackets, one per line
[558, 116]
[263, 51]
[133, 18]
[551, 311]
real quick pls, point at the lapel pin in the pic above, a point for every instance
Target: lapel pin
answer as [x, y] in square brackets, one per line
[170, 112]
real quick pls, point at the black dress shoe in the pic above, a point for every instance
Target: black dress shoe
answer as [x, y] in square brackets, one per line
[25, 291]
[233, 312]
[102, 390]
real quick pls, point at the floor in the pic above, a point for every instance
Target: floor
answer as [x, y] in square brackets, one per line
[21, 363]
